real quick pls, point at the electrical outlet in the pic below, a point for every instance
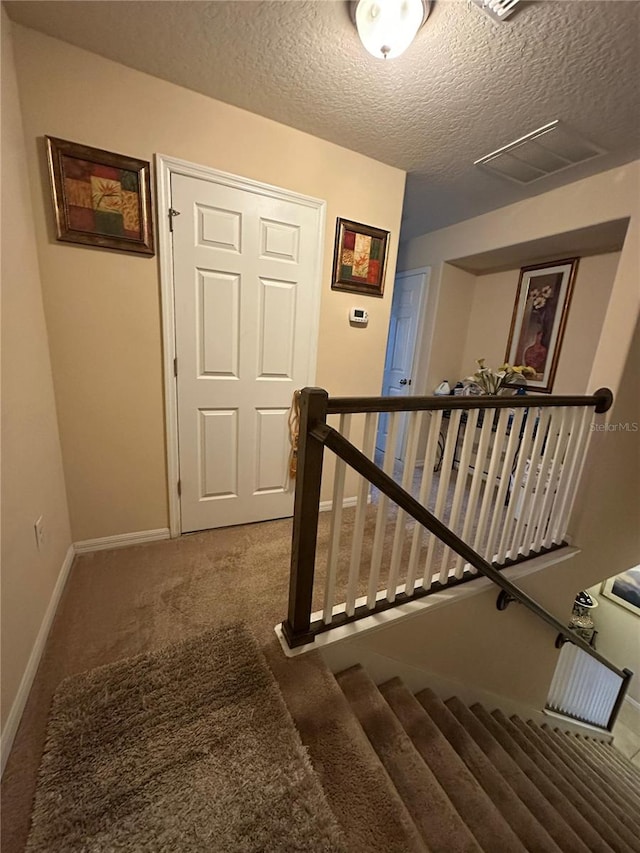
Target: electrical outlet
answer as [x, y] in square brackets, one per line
[39, 528]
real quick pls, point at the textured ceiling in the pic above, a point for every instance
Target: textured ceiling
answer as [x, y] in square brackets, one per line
[465, 87]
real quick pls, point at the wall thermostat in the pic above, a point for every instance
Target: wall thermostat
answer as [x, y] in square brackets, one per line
[359, 316]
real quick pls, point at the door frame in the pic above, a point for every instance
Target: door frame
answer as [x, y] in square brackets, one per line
[167, 166]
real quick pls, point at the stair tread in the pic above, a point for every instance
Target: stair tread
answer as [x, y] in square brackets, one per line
[532, 834]
[433, 813]
[624, 826]
[548, 762]
[467, 795]
[613, 786]
[531, 796]
[367, 806]
[573, 816]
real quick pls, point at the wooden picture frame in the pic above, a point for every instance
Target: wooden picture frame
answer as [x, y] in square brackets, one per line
[539, 319]
[100, 198]
[359, 258]
[624, 589]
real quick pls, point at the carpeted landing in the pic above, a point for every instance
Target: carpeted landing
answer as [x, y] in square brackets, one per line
[189, 748]
[192, 748]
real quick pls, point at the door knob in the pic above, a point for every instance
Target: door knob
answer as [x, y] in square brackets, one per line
[405, 382]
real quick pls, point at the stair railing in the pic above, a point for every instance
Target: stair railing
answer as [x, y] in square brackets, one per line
[530, 449]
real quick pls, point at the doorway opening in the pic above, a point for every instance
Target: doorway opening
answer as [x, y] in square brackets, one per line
[404, 346]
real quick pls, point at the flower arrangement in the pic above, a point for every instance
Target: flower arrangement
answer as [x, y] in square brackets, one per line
[540, 296]
[491, 381]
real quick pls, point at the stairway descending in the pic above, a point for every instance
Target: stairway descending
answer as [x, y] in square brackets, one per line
[471, 781]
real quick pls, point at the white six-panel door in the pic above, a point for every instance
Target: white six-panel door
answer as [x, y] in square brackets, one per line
[246, 273]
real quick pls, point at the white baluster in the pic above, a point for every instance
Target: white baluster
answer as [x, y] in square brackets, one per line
[336, 525]
[433, 438]
[451, 442]
[524, 494]
[486, 432]
[362, 498]
[541, 520]
[383, 508]
[399, 536]
[461, 483]
[573, 430]
[505, 474]
[491, 484]
[524, 454]
[576, 477]
[543, 484]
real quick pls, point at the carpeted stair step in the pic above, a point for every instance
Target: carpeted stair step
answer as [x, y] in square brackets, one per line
[528, 829]
[467, 795]
[597, 796]
[433, 813]
[624, 796]
[617, 760]
[626, 787]
[553, 768]
[563, 805]
[531, 796]
[615, 756]
[361, 795]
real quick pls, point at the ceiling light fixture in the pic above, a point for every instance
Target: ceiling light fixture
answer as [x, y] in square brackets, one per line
[387, 27]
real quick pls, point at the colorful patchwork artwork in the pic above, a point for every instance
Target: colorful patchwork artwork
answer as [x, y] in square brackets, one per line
[101, 199]
[359, 258]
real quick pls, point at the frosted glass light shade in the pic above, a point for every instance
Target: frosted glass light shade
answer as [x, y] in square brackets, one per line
[387, 27]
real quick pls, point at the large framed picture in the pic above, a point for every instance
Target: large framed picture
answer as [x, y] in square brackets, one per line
[100, 198]
[359, 258]
[624, 589]
[539, 319]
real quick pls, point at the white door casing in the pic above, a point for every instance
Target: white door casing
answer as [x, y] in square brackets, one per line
[246, 261]
[409, 293]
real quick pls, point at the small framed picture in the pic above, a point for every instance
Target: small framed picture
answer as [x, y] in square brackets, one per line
[539, 319]
[624, 589]
[100, 198]
[359, 258]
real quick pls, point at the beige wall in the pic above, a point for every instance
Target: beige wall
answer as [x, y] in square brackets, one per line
[102, 307]
[32, 478]
[492, 307]
[454, 314]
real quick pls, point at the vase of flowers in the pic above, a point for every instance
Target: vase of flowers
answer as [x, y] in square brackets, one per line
[493, 381]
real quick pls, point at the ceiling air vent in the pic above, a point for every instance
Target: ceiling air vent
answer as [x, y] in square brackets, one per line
[499, 10]
[549, 149]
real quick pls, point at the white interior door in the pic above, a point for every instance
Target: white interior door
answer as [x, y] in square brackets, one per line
[246, 280]
[397, 381]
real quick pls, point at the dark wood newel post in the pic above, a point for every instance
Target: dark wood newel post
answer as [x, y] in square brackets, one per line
[313, 412]
[628, 675]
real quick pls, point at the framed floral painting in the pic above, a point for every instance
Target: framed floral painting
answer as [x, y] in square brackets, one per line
[100, 198]
[359, 258]
[539, 319]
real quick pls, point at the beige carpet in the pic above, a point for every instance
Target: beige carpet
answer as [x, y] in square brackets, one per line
[190, 748]
[127, 601]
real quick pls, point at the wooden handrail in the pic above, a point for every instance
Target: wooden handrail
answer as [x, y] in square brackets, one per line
[601, 401]
[331, 438]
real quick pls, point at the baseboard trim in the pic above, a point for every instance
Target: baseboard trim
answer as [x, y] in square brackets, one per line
[327, 506]
[15, 714]
[633, 702]
[121, 540]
